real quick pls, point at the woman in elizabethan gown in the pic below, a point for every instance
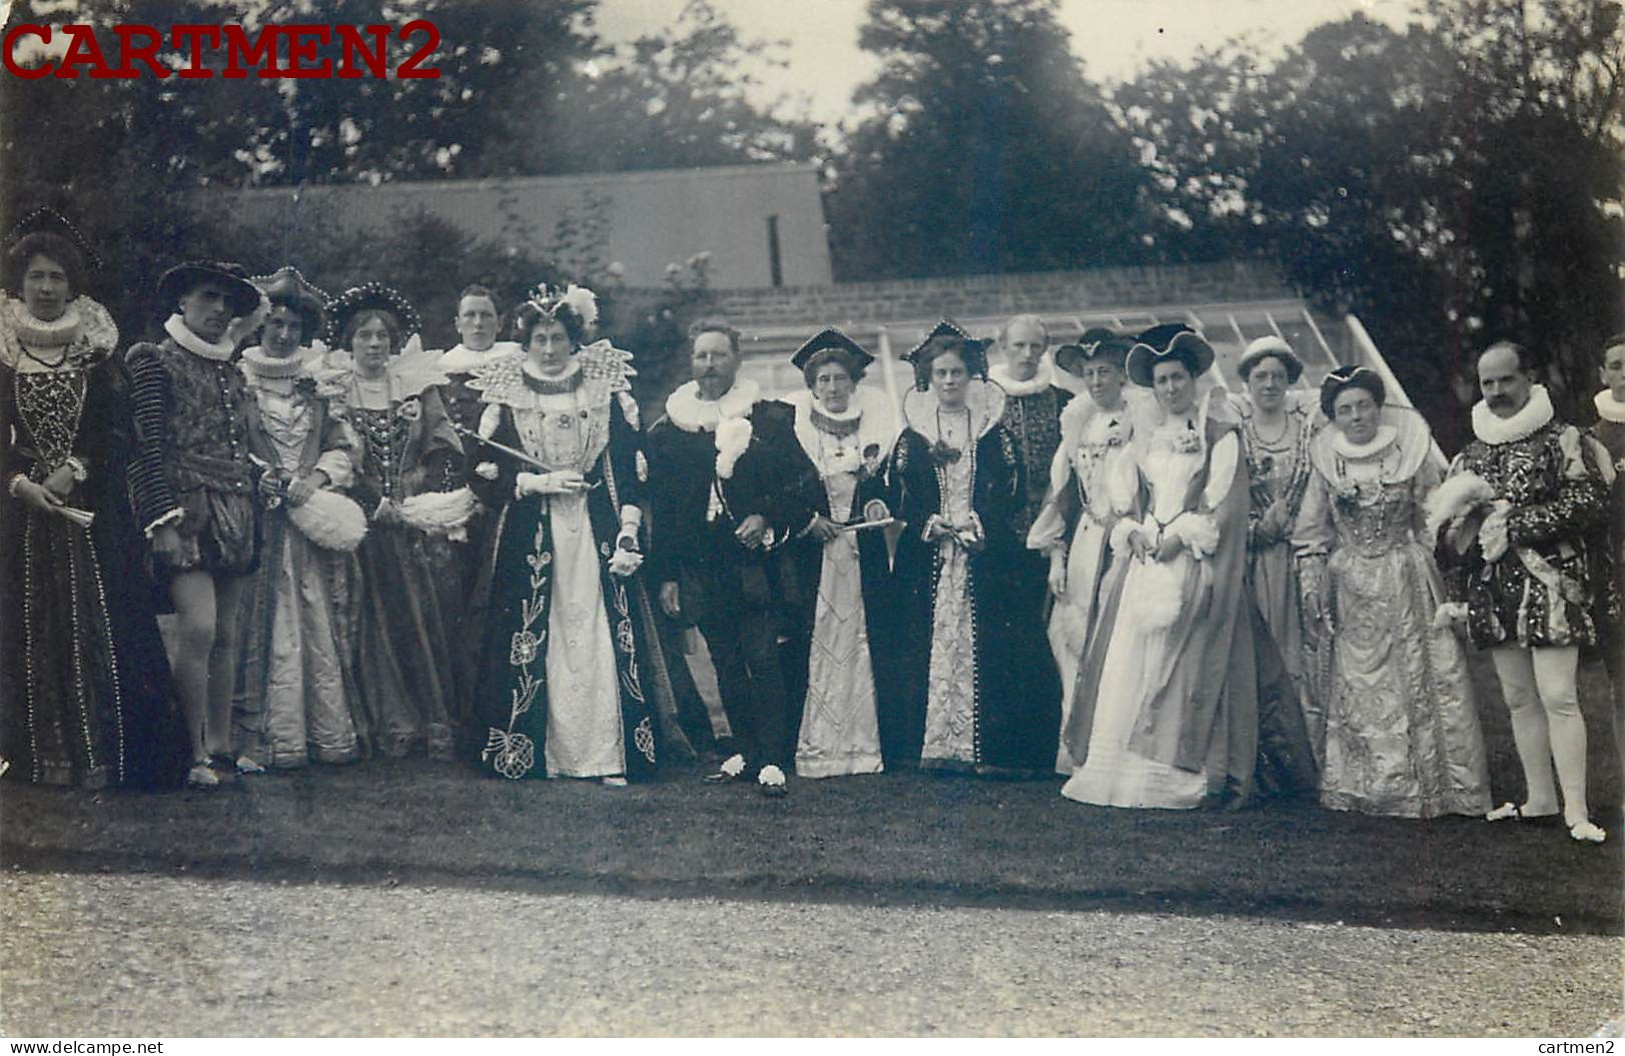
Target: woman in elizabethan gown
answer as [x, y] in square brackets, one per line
[1277, 426]
[1168, 706]
[980, 691]
[408, 480]
[85, 685]
[1402, 731]
[294, 703]
[1076, 520]
[847, 430]
[561, 690]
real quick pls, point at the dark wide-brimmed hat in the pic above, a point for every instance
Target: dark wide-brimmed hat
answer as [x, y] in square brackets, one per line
[1162, 343]
[1351, 376]
[1097, 345]
[831, 341]
[287, 287]
[369, 296]
[242, 296]
[1270, 347]
[947, 336]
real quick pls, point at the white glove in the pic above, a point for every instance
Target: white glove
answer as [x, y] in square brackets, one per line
[625, 562]
[558, 482]
[486, 471]
[1449, 613]
[1492, 537]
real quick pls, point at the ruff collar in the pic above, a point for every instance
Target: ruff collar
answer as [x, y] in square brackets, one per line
[692, 415]
[460, 359]
[1610, 409]
[85, 323]
[256, 364]
[1042, 379]
[984, 399]
[1533, 417]
[1048, 376]
[1402, 433]
[182, 335]
[1386, 435]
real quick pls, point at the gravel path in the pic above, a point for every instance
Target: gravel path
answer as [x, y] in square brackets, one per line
[151, 956]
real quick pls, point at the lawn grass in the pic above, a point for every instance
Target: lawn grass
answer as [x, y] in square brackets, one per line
[909, 837]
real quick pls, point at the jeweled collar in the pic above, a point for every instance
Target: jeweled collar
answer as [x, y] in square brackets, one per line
[1386, 435]
[182, 335]
[1530, 419]
[260, 365]
[1610, 409]
[557, 385]
[692, 415]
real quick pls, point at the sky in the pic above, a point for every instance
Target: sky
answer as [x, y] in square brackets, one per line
[1115, 38]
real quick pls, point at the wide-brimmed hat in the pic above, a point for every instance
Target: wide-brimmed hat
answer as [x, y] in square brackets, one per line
[1351, 376]
[1097, 345]
[242, 296]
[287, 287]
[830, 339]
[1163, 342]
[369, 296]
[1270, 347]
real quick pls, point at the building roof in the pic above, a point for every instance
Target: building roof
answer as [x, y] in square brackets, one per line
[644, 220]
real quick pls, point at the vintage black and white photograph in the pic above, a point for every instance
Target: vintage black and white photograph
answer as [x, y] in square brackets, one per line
[900, 518]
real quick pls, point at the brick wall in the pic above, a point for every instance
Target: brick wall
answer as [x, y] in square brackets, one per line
[1046, 292]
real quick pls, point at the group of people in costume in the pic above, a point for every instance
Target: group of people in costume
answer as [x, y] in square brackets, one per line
[1089, 559]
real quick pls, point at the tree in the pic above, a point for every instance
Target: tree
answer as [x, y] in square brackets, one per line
[1413, 178]
[678, 98]
[984, 148]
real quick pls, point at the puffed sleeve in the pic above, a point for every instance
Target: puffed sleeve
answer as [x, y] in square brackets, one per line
[1314, 533]
[339, 450]
[1579, 508]
[150, 399]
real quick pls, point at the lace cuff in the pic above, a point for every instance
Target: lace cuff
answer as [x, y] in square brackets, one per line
[1125, 527]
[172, 517]
[16, 479]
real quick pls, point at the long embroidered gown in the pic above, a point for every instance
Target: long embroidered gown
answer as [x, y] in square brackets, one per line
[840, 731]
[980, 688]
[85, 691]
[403, 648]
[294, 703]
[1278, 471]
[560, 691]
[1402, 730]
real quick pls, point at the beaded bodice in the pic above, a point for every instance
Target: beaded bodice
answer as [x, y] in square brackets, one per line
[384, 436]
[49, 406]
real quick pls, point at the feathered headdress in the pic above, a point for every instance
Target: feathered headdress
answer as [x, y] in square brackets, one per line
[582, 302]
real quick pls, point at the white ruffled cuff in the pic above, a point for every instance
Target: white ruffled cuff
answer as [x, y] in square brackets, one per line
[172, 517]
